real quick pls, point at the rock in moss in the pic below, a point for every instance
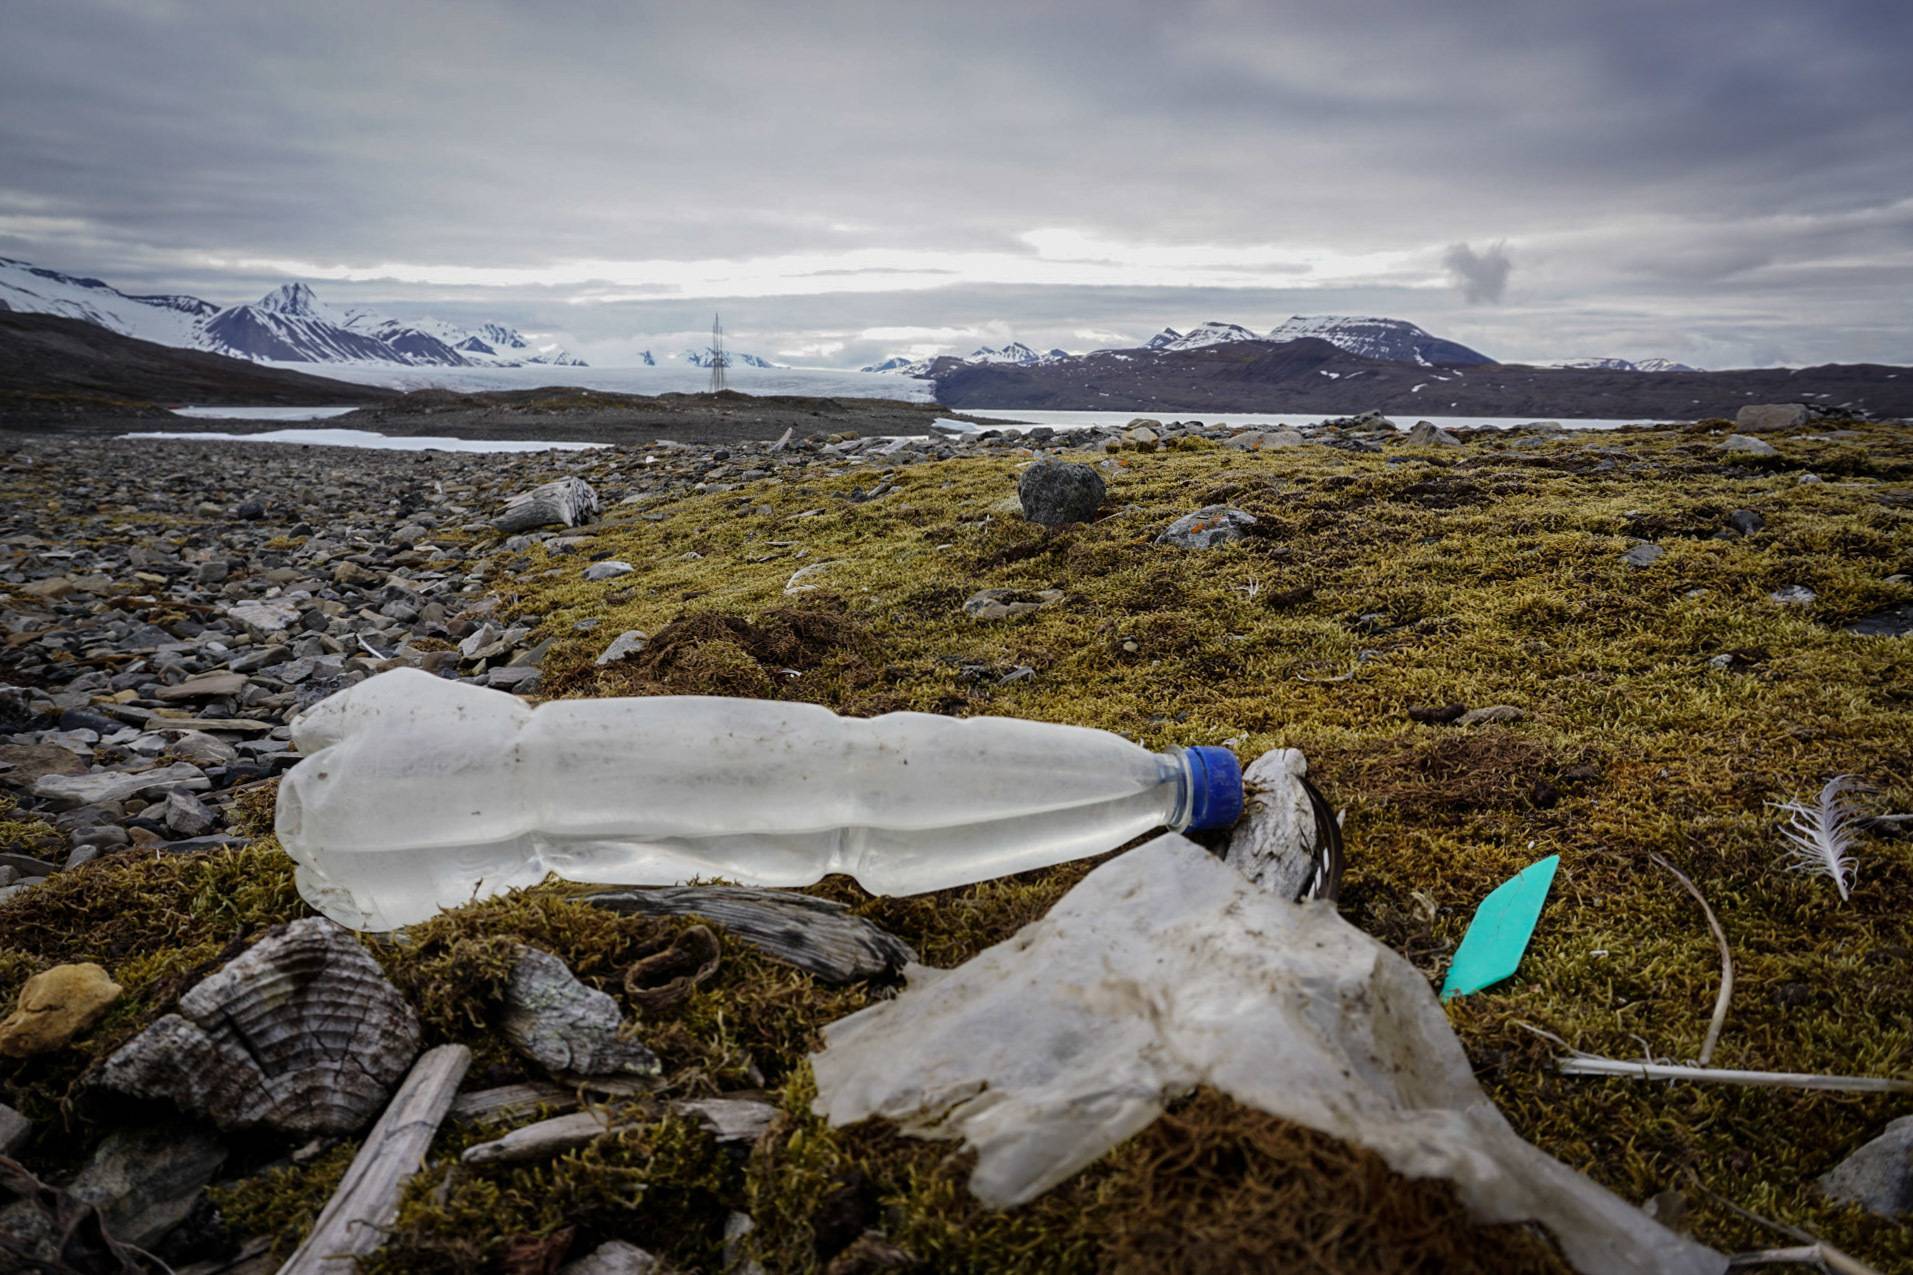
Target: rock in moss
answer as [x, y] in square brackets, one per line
[1055, 492]
[1208, 527]
[564, 1026]
[55, 1006]
[1879, 1176]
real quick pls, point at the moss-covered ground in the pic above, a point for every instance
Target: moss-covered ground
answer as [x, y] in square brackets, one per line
[1483, 575]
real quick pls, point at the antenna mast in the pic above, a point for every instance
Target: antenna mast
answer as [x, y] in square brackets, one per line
[719, 359]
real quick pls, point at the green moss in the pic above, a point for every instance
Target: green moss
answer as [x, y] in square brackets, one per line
[282, 1203]
[1489, 575]
[1485, 575]
[664, 1185]
[26, 835]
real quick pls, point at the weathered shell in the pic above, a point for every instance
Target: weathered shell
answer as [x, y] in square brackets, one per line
[559, 1023]
[301, 1033]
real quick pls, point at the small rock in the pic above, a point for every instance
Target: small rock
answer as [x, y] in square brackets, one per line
[1746, 446]
[1895, 621]
[1436, 716]
[15, 1129]
[1746, 521]
[187, 815]
[512, 677]
[145, 1181]
[615, 1257]
[629, 642]
[1262, 440]
[203, 750]
[1002, 604]
[1757, 418]
[1055, 492]
[1492, 715]
[1428, 434]
[1208, 527]
[1643, 555]
[564, 1026]
[264, 617]
[250, 510]
[1142, 437]
[205, 686]
[610, 569]
[1879, 1176]
[1723, 661]
[55, 1006]
[24, 765]
[1793, 595]
[109, 787]
[1809, 478]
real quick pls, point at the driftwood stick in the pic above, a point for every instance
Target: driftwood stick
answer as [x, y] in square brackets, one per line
[354, 1221]
[1593, 1065]
[728, 1119]
[1819, 1253]
[511, 1102]
[1719, 1019]
[816, 935]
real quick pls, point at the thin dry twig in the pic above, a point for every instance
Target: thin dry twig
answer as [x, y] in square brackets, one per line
[1726, 962]
[1595, 1065]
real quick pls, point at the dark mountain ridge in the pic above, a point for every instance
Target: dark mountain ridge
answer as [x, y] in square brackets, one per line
[43, 354]
[1311, 375]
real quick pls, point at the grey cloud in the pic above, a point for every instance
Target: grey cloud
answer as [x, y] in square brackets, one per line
[1481, 276]
[1765, 138]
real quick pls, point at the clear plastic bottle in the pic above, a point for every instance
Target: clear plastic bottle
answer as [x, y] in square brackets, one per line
[421, 793]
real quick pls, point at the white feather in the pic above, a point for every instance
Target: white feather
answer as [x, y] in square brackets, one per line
[1821, 836]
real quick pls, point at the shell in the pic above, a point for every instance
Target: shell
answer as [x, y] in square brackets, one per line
[302, 1033]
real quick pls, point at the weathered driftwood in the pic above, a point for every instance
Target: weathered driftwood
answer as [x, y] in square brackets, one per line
[566, 502]
[564, 1026]
[353, 1223]
[301, 1033]
[544, 1139]
[816, 935]
[729, 1120]
[511, 1102]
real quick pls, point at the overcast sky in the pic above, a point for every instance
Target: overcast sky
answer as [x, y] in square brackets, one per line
[1729, 183]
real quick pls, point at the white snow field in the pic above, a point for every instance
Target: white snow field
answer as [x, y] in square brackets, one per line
[262, 413]
[670, 377]
[364, 438]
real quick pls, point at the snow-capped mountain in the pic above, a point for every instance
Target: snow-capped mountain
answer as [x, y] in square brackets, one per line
[288, 324]
[1626, 365]
[1206, 334]
[1391, 340]
[1015, 352]
[735, 358]
[164, 319]
[901, 365]
[487, 345]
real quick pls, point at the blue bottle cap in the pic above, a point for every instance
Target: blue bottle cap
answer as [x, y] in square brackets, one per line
[1215, 787]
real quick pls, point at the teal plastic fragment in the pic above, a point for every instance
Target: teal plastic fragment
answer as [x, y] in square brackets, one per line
[1498, 936]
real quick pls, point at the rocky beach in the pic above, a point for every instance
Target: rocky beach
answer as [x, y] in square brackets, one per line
[1490, 646]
